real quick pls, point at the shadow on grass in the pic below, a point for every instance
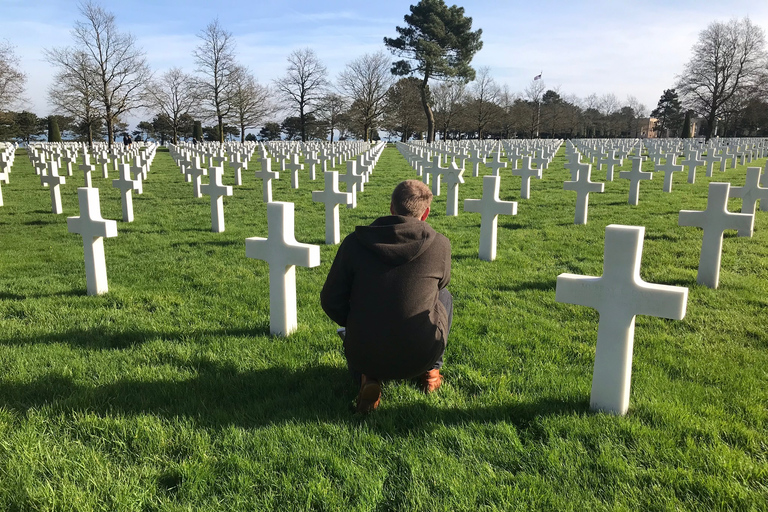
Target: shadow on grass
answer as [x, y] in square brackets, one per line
[219, 396]
[666, 237]
[66, 293]
[202, 243]
[104, 337]
[41, 222]
[547, 285]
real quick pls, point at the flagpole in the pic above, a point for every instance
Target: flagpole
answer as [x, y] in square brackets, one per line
[538, 119]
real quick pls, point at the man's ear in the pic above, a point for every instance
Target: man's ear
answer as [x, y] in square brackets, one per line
[392, 209]
[425, 214]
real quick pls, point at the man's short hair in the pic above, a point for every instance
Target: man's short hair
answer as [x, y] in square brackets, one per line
[411, 198]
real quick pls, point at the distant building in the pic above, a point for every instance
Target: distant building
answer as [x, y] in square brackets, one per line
[645, 127]
[698, 127]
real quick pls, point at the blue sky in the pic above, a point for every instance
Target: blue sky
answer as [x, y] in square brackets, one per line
[621, 47]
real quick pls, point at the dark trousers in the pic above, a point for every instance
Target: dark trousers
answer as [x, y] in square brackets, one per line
[446, 299]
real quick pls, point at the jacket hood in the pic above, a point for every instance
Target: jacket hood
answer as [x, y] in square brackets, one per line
[396, 239]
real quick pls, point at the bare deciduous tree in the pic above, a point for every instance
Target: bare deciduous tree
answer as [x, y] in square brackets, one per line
[330, 110]
[609, 104]
[251, 102]
[172, 95]
[119, 65]
[483, 101]
[366, 81]
[448, 98]
[74, 91]
[534, 94]
[404, 115]
[11, 77]
[729, 59]
[215, 59]
[303, 85]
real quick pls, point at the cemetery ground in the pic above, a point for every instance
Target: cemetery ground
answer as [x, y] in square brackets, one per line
[168, 393]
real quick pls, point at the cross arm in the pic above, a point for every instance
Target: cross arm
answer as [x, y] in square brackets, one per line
[661, 300]
[579, 290]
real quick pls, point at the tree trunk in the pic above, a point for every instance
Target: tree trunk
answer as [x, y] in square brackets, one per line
[303, 124]
[427, 110]
[221, 129]
[711, 118]
[110, 128]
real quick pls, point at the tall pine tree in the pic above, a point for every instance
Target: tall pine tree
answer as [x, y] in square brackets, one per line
[437, 43]
[669, 113]
[54, 135]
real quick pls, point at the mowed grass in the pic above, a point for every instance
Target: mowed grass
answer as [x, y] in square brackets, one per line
[168, 393]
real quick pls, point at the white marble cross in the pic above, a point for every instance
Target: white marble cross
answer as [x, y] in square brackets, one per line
[266, 174]
[103, 160]
[635, 176]
[750, 194]
[311, 160]
[67, 159]
[496, 164]
[353, 181]
[87, 168]
[435, 171]
[282, 252]
[196, 172]
[526, 172]
[714, 221]
[293, 166]
[217, 190]
[540, 161]
[489, 207]
[126, 186]
[619, 295]
[238, 165]
[332, 199]
[710, 160]
[691, 162]
[583, 186]
[669, 168]
[138, 172]
[575, 165]
[93, 229]
[453, 177]
[53, 180]
[475, 159]
[610, 161]
[763, 183]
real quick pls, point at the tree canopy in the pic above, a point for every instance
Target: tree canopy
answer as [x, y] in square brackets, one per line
[728, 65]
[669, 113]
[11, 77]
[437, 43]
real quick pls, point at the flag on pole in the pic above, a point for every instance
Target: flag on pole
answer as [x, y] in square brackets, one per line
[537, 77]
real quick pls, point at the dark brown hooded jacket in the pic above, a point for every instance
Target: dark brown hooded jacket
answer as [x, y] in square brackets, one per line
[383, 287]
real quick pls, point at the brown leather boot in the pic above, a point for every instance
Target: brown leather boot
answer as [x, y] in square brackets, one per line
[369, 396]
[430, 381]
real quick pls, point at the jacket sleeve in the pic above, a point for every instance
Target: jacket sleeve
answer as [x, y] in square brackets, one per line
[334, 297]
[446, 278]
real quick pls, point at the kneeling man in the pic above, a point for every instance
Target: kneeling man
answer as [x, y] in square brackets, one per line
[387, 288]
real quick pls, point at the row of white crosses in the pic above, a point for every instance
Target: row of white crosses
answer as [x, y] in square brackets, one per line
[620, 294]
[7, 156]
[282, 252]
[47, 162]
[92, 226]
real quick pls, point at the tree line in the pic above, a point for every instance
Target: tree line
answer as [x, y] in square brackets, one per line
[431, 91]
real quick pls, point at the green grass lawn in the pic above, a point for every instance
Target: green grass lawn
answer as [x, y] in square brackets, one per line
[168, 393]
